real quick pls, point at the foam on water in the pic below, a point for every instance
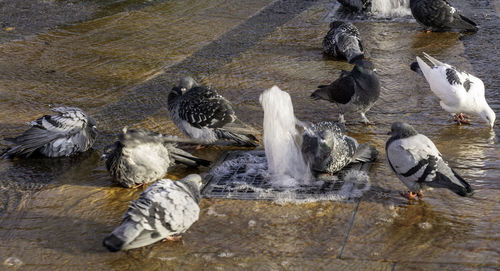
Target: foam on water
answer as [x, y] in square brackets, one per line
[240, 169]
[391, 8]
[281, 140]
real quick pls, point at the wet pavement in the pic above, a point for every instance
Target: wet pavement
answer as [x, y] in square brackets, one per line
[117, 59]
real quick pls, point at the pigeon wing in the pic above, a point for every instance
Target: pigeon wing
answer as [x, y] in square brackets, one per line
[413, 159]
[203, 107]
[436, 14]
[340, 91]
[54, 135]
[162, 210]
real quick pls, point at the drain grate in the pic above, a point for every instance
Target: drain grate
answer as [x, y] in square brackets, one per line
[243, 175]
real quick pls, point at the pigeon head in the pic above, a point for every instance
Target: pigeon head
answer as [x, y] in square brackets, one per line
[92, 124]
[364, 66]
[191, 184]
[336, 24]
[109, 149]
[416, 68]
[489, 116]
[186, 83]
[402, 130]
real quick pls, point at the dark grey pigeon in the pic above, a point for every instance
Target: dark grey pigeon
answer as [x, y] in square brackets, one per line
[356, 5]
[69, 132]
[165, 210]
[418, 163]
[343, 41]
[326, 148]
[141, 157]
[354, 91]
[439, 15]
[201, 113]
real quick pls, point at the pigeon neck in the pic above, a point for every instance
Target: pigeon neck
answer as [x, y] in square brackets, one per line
[172, 98]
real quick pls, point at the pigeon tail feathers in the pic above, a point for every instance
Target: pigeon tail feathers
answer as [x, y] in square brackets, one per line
[123, 235]
[463, 189]
[365, 153]
[241, 140]
[188, 159]
[464, 23]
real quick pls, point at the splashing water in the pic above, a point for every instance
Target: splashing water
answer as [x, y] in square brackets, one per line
[391, 8]
[281, 140]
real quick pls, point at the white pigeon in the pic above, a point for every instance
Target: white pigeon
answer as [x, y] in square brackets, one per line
[459, 92]
[419, 164]
[165, 210]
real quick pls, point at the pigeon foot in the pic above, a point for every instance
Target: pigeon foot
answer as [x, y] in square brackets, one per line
[412, 195]
[365, 120]
[173, 238]
[461, 118]
[341, 118]
[138, 186]
[199, 147]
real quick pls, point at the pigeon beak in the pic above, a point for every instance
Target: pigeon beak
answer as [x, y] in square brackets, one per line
[389, 133]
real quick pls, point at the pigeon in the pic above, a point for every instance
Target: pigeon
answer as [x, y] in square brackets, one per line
[418, 164]
[354, 91]
[459, 92]
[343, 41]
[69, 132]
[165, 210]
[203, 114]
[356, 5]
[327, 148]
[439, 15]
[141, 156]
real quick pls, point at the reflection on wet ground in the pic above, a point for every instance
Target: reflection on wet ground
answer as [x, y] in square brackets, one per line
[117, 60]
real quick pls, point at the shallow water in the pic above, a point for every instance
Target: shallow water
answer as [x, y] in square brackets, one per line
[117, 65]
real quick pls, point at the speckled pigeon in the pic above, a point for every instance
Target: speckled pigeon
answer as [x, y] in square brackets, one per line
[343, 41]
[201, 113]
[69, 132]
[141, 157]
[326, 148]
[165, 210]
[418, 164]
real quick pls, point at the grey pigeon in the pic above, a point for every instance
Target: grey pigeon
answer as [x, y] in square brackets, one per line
[439, 15]
[418, 164]
[354, 91]
[141, 157]
[343, 41]
[356, 5]
[69, 132]
[201, 113]
[327, 148]
[166, 209]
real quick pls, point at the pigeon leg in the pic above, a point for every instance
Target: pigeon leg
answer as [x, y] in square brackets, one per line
[173, 238]
[199, 147]
[138, 186]
[420, 194]
[341, 118]
[461, 118]
[410, 195]
[366, 121]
